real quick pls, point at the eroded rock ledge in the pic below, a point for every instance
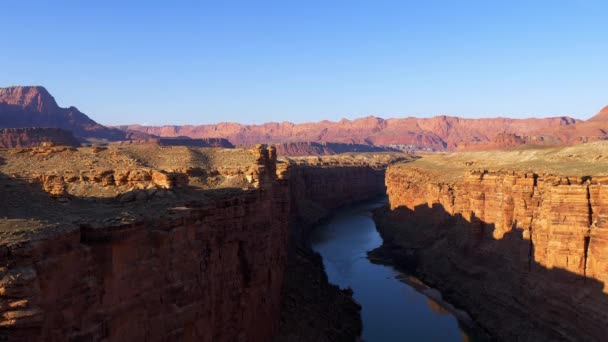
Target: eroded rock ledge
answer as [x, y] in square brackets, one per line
[523, 252]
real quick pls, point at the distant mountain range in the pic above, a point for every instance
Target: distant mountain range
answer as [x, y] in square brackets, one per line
[438, 133]
[22, 107]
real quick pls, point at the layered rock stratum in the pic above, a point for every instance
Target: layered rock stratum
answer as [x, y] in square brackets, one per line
[127, 243]
[145, 242]
[181, 141]
[517, 238]
[326, 148]
[440, 133]
[29, 137]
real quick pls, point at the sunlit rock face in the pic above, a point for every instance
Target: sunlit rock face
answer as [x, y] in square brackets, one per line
[524, 253]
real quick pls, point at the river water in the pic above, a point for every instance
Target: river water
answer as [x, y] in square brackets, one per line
[391, 309]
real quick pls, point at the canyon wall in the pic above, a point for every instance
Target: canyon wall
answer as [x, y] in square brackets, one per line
[524, 253]
[313, 309]
[180, 141]
[324, 188]
[200, 270]
[320, 184]
[144, 242]
[25, 137]
[326, 148]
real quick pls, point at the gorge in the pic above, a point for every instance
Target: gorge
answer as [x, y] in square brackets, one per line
[391, 309]
[163, 243]
[115, 234]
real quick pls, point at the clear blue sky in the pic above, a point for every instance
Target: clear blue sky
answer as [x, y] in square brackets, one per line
[259, 61]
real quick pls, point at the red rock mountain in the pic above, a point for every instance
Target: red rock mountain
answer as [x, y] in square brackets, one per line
[601, 116]
[33, 106]
[437, 133]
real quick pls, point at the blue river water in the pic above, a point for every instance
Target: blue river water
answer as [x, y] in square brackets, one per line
[391, 309]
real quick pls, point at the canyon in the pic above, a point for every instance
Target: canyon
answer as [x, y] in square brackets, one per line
[148, 242]
[201, 233]
[517, 239]
[35, 136]
[313, 309]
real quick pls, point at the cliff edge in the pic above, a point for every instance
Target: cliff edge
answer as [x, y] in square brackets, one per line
[517, 238]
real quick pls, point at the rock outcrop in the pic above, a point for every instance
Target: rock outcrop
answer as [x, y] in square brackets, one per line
[29, 137]
[523, 252]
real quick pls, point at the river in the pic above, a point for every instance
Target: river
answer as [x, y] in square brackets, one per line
[391, 309]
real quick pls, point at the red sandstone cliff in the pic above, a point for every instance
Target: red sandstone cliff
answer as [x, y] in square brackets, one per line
[142, 242]
[313, 309]
[202, 142]
[191, 265]
[326, 148]
[524, 253]
[25, 137]
[510, 140]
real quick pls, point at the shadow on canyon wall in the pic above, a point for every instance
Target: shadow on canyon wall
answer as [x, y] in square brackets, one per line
[140, 270]
[25, 200]
[97, 224]
[498, 281]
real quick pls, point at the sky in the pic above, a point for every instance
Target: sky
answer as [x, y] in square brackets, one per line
[197, 62]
